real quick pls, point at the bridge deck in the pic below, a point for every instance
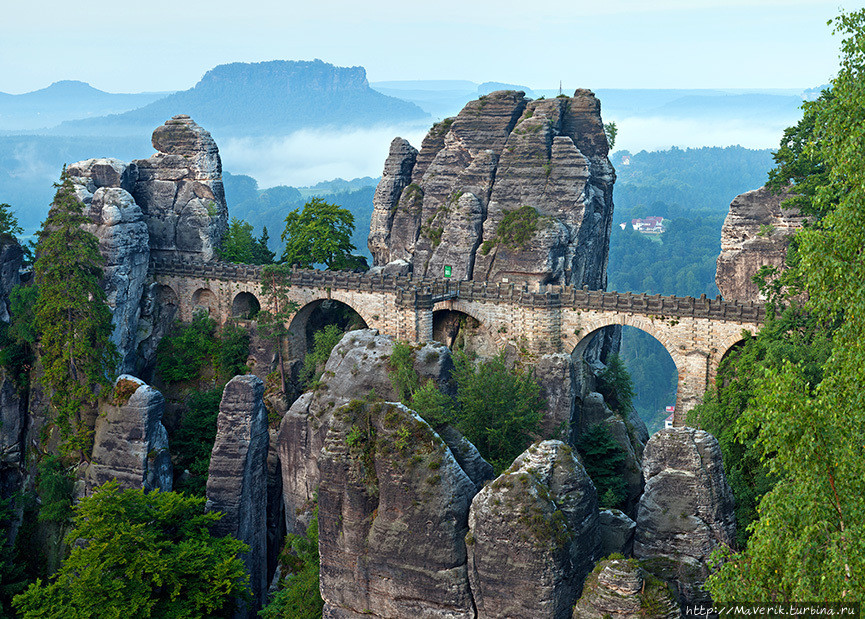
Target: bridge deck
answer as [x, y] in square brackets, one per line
[467, 290]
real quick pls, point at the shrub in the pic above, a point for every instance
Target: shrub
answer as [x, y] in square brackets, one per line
[181, 355]
[323, 342]
[402, 374]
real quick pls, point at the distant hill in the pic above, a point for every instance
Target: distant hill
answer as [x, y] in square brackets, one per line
[264, 98]
[66, 100]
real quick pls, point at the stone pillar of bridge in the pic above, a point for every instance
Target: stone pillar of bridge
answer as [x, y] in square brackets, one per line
[693, 381]
[417, 306]
[542, 321]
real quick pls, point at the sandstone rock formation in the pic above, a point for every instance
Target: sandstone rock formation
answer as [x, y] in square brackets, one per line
[617, 532]
[620, 589]
[180, 191]
[627, 434]
[533, 536]
[13, 416]
[11, 259]
[756, 232]
[130, 442]
[119, 224]
[686, 510]
[357, 366]
[508, 190]
[170, 205]
[393, 510]
[237, 478]
[555, 374]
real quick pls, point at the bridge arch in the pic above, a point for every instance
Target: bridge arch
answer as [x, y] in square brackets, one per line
[245, 305]
[453, 320]
[303, 323]
[166, 295]
[692, 366]
[205, 299]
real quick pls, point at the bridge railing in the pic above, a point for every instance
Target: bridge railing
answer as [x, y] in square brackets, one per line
[469, 290]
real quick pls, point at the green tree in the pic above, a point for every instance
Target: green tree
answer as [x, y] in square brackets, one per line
[499, 410]
[273, 323]
[615, 384]
[183, 353]
[611, 131]
[192, 442]
[233, 351]
[299, 596]
[319, 234]
[809, 540]
[143, 555]
[72, 316]
[240, 246]
[604, 459]
[13, 578]
[9, 227]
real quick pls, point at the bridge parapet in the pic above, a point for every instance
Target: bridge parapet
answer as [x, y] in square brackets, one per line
[409, 291]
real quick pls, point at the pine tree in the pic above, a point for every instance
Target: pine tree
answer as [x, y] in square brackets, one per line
[72, 317]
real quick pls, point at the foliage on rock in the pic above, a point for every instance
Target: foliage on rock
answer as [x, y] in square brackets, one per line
[72, 315]
[323, 343]
[141, 555]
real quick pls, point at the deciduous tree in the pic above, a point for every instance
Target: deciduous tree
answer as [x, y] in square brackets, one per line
[319, 234]
[809, 540]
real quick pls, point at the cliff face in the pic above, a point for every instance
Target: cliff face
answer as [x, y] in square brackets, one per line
[508, 190]
[170, 205]
[756, 232]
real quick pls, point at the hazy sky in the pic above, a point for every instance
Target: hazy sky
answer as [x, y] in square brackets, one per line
[163, 45]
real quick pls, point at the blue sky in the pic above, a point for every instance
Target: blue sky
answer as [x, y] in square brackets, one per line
[165, 45]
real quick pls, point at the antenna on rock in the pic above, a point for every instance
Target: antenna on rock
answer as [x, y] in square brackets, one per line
[560, 87]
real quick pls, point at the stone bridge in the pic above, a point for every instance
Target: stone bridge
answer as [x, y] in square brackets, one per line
[696, 332]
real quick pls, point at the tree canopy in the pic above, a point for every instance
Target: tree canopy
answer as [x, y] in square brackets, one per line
[240, 246]
[143, 555]
[318, 234]
[808, 542]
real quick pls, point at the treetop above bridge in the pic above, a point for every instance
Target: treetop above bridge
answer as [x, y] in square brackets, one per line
[430, 291]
